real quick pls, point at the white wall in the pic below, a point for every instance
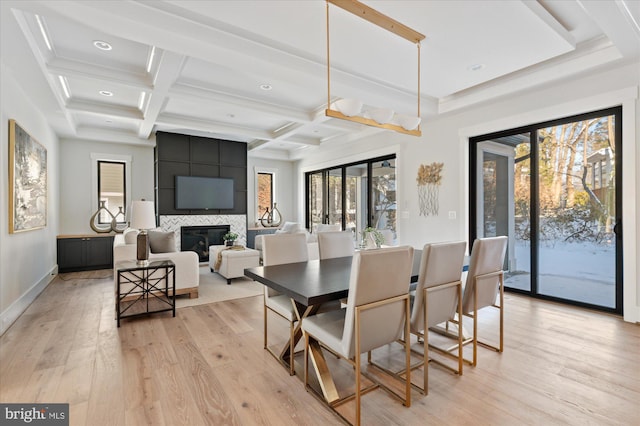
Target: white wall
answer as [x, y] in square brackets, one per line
[27, 259]
[77, 183]
[445, 139]
[284, 171]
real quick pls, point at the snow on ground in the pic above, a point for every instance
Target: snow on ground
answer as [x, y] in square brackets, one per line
[583, 271]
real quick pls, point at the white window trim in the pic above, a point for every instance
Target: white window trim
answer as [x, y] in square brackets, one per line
[274, 195]
[126, 159]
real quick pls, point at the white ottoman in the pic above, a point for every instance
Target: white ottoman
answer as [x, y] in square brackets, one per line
[233, 262]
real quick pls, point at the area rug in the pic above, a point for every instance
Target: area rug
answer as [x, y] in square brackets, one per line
[213, 288]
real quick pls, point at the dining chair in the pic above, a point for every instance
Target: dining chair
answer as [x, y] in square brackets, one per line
[485, 282]
[438, 291]
[335, 244]
[376, 315]
[278, 249]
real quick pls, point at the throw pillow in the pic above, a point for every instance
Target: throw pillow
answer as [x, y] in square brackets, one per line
[162, 242]
[130, 236]
[323, 227]
[289, 227]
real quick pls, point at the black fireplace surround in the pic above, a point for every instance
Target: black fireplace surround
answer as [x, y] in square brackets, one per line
[199, 238]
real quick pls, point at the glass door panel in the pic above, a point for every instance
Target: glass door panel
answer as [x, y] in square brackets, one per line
[383, 195]
[356, 198]
[315, 197]
[335, 197]
[504, 202]
[577, 211]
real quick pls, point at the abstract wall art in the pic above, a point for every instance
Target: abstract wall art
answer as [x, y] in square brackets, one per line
[27, 181]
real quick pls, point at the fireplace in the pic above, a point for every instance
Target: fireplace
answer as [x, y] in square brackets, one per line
[199, 238]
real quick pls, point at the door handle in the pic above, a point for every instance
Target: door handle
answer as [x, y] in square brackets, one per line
[617, 228]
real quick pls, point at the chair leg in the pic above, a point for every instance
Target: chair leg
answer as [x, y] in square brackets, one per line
[460, 353]
[306, 361]
[475, 324]
[501, 280]
[291, 347]
[265, 324]
[425, 337]
[407, 350]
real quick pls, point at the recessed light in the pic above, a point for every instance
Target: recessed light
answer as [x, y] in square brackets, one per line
[105, 93]
[102, 45]
[266, 86]
[476, 67]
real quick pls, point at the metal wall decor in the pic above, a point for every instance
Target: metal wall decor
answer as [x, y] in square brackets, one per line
[429, 180]
[112, 226]
[271, 219]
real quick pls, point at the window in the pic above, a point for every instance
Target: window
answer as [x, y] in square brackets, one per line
[265, 193]
[111, 190]
[354, 195]
[265, 184]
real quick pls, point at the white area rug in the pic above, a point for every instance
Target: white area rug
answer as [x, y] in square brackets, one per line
[214, 288]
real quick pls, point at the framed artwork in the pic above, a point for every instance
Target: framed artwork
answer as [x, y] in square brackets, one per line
[27, 181]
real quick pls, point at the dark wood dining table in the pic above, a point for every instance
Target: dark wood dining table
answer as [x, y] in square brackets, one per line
[310, 284]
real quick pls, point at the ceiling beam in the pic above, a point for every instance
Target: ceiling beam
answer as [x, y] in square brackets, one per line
[169, 67]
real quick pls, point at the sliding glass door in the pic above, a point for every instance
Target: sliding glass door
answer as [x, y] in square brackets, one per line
[354, 196]
[553, 189]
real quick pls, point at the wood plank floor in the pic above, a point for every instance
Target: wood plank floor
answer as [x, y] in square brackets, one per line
[561, 366]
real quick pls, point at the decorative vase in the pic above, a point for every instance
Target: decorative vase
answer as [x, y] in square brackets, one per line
[271, 219]
[94, 222]
[119, 227]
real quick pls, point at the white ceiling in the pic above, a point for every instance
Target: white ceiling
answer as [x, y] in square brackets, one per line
[196, 67]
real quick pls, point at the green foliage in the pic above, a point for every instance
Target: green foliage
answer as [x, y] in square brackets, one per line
[230, 236]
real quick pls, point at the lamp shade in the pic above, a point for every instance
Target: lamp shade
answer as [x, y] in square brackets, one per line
[348, 106]
[380, 115]
[143, 215]
[408, 122]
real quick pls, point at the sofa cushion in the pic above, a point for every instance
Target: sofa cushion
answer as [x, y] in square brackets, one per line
[288, 228]
[130, 235]
[162, 242]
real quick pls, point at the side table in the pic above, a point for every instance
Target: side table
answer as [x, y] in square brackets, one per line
[146, 289]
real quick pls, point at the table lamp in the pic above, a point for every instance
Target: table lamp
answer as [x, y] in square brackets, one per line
[143, 217]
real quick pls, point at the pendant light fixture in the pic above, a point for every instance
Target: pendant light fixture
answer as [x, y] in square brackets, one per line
[350, 109]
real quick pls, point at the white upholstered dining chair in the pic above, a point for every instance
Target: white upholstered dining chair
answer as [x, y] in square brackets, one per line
[377, 314]
[438, 291]
[278, 249]
[485, 282]
[335, 244]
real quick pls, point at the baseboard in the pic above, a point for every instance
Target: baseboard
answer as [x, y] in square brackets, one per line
[13, 312]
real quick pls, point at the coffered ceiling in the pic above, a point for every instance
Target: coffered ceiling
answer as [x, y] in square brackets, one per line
[256, 71]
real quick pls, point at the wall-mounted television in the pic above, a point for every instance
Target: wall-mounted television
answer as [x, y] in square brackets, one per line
[203, 193]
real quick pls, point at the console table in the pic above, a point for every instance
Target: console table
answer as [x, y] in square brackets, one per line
[143, 290]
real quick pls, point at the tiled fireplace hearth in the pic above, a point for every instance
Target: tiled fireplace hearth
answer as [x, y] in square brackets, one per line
[238, 224]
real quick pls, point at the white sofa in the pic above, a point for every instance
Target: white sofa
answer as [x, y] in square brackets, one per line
[186, 262]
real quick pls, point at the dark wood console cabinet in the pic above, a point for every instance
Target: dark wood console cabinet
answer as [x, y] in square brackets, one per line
[84, 252]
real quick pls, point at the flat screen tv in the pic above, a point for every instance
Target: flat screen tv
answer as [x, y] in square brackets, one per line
[203, 193]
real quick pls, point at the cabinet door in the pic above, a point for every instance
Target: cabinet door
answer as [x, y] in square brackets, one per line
[70, 253]
[99, 252]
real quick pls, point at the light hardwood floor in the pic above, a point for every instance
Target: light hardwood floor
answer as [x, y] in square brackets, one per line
[561, 366]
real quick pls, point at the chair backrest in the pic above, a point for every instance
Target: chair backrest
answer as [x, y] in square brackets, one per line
[487, 256]
[335, 244]
[283, 248]
[377, 275]
[441, 263]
